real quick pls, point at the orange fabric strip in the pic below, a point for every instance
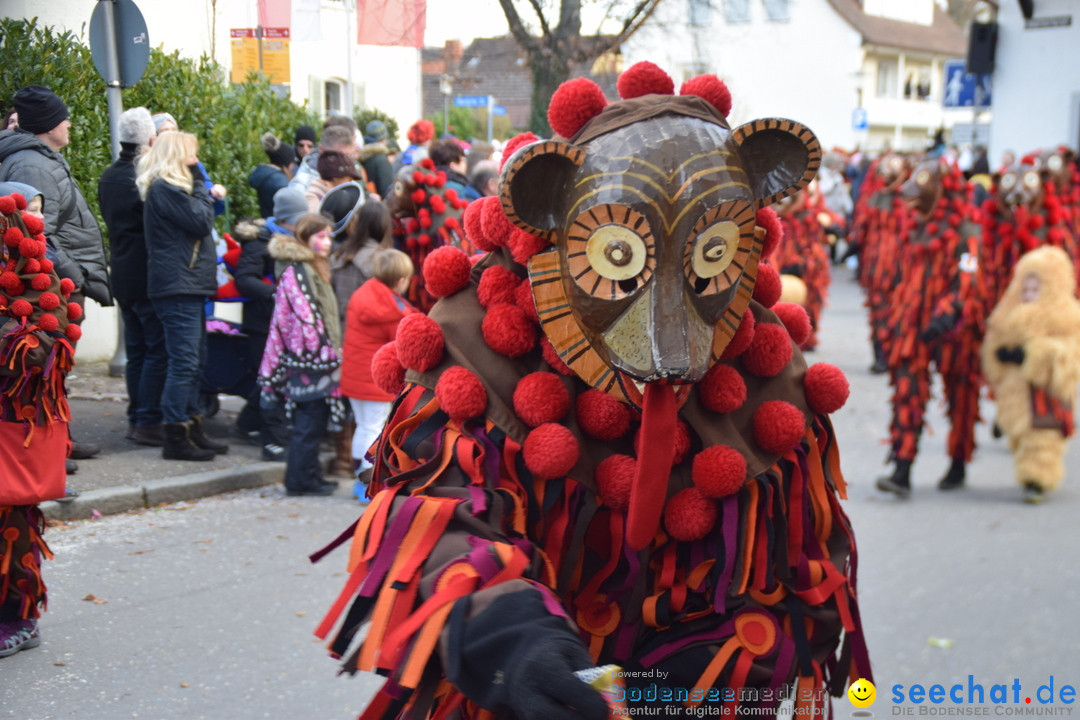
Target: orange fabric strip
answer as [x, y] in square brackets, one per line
[714, 668]
[423, 647]
[748, 538]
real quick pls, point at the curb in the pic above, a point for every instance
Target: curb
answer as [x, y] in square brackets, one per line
[108, 501]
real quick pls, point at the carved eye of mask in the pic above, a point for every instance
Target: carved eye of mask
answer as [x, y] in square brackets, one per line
[399, 188]
[1008, 181]
[1054, 163]
[922, 177]
[1031, 180]
[722, 241]
[610, 251]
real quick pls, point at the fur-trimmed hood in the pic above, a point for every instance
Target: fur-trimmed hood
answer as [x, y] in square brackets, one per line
[248, 229]
[288, 249]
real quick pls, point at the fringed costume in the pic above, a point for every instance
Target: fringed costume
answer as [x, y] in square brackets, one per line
[607, 447]
[804, 252]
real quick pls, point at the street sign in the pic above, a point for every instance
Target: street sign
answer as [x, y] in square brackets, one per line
[498, 109]
[859, 119]
[132, 42]
[960, 86]
[471, 101]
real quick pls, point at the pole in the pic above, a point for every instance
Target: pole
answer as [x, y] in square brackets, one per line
[975, 110]
[348, 64]
[445, 113]
[491, 114]
[112, 82]
[258, 42]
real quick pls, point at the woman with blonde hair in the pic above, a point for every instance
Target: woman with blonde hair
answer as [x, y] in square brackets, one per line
[181, 262]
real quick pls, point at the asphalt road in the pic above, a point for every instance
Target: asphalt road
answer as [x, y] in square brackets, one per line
[205, 609]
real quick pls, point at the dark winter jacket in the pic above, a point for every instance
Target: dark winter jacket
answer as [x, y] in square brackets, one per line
[252, 270]
[267, 180]
[70, 227]
[377, 166]
[180, 255]
[122, 209]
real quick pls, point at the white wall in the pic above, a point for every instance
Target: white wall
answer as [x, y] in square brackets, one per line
[1036, 95]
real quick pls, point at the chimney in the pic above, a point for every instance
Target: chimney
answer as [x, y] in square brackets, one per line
[452, 53]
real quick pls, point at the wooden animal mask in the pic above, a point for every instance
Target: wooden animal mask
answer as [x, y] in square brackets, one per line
[1019, 186]
[923, 189]
[651, 209]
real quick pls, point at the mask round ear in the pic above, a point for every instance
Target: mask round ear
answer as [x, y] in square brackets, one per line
[534, 184]
[781, 157]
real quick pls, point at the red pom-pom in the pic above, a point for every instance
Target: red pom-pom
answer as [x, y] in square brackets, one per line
[74, 310]
[8, 281]
[13, 236]
[742, 337]
[512, 145]
[386, 370]
[602, 416]
[767, 289]
[7, 205]
[461, 394]
[719, 471]
[551, 357]
[474, 231]
[523, 245]
[550, 451]
[48, 323]
[419, 342]
[74, 332]
[497, 286]
[20, 201]
[722, 389]
[66, 286]
[32, 266]
[21, 308]
[29, 247]
[778, 426]
[49, 302]
[689, 515]
[438, 205]
[795, 320]
[524, 298]
[508, 331]
[770, 350]
[540, 397]
[34, 225]
[496, 226]
[440, 179]
[575, 103]
[446, 270]
[41, 281]
[425, 221]
[826, 388]
[615, 479]
[682, 443]
[774, 230]
[711, 89]
[419, 196]
[644, 78]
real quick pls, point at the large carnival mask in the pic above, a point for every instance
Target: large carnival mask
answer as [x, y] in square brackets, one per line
[923, 189]
[651, 208]
[1019, 186]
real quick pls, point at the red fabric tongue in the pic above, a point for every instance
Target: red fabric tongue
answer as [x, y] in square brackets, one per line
[656, 451]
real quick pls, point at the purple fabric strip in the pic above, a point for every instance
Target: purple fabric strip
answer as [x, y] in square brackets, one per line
[335, 543]
[668, 649]
[492, 456]
[784, 659]
[624, 642]
[483, 560]
[389, 547]
[477, 499]
[551, 603]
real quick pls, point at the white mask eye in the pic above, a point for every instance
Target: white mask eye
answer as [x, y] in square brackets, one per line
[1008, 181]
[715, 248]
[610, 251]
[922, 177]
[1031, 180]
[616, 252]
[1054, 163]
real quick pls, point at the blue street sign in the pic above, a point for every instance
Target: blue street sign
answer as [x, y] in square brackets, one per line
[498, 109]
[960, 86]
[470, 101]
[859, 119]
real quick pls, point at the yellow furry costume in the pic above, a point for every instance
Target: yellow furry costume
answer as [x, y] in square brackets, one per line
[1031, 358]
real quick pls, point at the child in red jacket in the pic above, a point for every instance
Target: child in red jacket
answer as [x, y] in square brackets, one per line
[371, 321]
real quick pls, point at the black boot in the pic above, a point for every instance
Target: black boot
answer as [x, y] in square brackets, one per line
[880, 365]
[954, 479]
[899, 483]
[178, 445]
[199, 437]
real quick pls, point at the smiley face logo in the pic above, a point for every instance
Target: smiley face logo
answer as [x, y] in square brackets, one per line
[862, 693]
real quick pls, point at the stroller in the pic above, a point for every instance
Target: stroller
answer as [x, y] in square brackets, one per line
[225, 369]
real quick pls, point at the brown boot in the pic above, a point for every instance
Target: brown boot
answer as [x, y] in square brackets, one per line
[342, 464]
[178, 444]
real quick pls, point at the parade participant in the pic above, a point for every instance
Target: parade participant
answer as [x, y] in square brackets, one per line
[804, 251]
[1031, 355]
[35, 336]
[606, 447]
[300, 366]
[937, 320]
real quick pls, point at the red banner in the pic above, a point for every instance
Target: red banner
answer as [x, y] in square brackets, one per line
[275, 13]
[391, 22]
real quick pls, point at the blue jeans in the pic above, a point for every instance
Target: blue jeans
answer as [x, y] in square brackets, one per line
[144, 344]
[302, 468]
[184, 324]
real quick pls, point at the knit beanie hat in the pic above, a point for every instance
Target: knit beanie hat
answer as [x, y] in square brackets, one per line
[333, 164]
[280, 154]
[375, 131]
[305, 132]
[29, 192]
[289, 205]
[161, 118]
[421, 131]
[40, 110]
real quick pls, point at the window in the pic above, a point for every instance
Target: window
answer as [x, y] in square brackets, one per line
[777, 10]
[332, 97]
[698, 10]
[886, 78]
[736, 11]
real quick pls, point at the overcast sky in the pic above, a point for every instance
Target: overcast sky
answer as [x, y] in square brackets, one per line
[463, 20]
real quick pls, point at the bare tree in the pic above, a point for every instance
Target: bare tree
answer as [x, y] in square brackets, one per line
[551, 37]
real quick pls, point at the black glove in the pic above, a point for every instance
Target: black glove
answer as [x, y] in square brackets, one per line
[515, 654]
[939, 325]
[1010, 355]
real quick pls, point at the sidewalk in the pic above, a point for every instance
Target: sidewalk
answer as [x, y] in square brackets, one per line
[125, 476]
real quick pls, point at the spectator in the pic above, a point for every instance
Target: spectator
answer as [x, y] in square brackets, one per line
[479, 151]
[164, 122]
[144, 340]
[181, 263]
[373, 157]
[335, 169]
[449, 158]
[303, 357]
[334, 137]
[255, 279]
[10, 120]
[32, 445]
[420, 135]
[304, 141]
[268, 178]
[372, 317]
[484, 180]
